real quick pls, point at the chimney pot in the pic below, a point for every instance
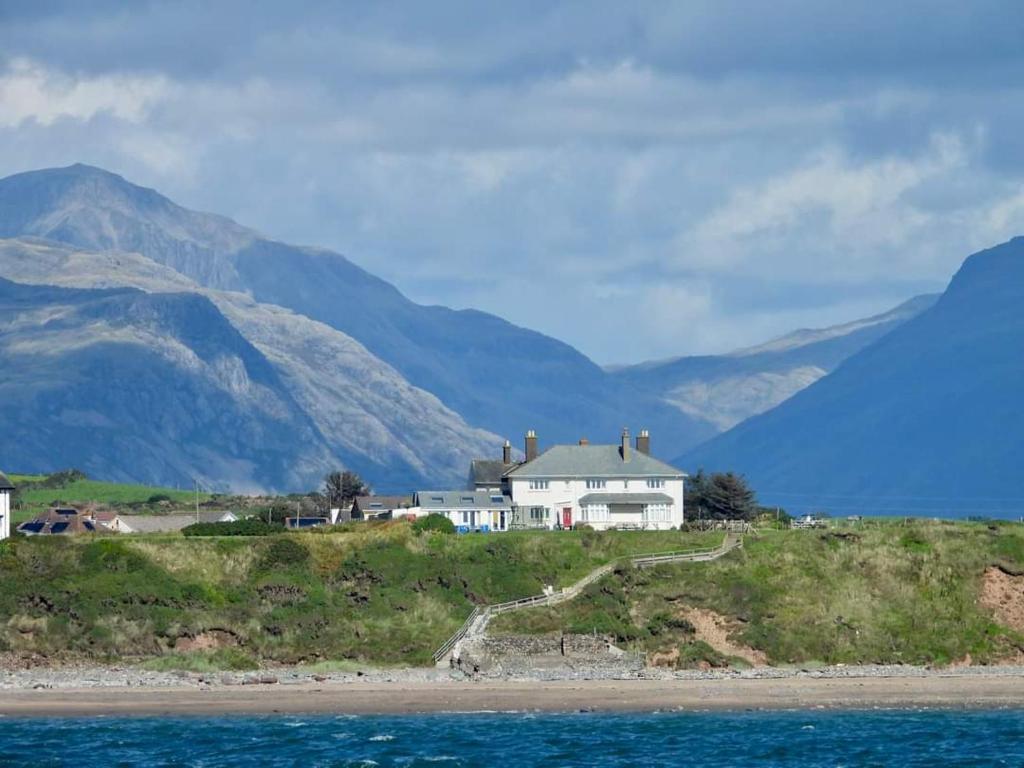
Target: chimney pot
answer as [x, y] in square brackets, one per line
[643, 442]
[584, 441]
[531, 445]
[506, 452]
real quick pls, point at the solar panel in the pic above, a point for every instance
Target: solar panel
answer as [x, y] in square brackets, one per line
[67, 511]
[32, 527]
[58, 527]
[89, 525]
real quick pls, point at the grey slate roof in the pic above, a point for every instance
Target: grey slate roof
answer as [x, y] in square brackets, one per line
[480, 500]
[626, 498]
[167, 523]
[593, 461]
[488, 471]
[5, 484]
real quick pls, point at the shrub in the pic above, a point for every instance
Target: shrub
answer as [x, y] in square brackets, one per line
[282, 553]
[156, 498]
[665, 622]
[248, 527]
[433, 522]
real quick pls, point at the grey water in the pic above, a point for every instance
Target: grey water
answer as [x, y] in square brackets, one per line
[799, 738]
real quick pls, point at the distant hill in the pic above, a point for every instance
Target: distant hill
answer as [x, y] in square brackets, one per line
[929, 419]
[494, 374]
[129, 385]
[726, 389]
[369, 418]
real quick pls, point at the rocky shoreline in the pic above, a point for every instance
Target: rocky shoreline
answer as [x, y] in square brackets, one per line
[80, 677]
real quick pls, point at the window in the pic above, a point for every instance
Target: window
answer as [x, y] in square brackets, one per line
[655, 482]
[498, 499]
[465, 517]
[538, 485]
[538, 513]
[657, 513]
[595, 484]
[595, 513]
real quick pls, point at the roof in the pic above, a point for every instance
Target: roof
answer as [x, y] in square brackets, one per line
[462, 500]
[167, 523]
[5, 484]
[60, 520]
[593, 461]
[372, 503]
[626, 498]
[488, 471]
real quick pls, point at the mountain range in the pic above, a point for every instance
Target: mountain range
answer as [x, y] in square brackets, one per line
[925, 420]
[325, 365]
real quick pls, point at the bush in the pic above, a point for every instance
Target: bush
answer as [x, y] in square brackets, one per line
[249, 527]
[282, 553]
[663, 622]
[433, 522]
[156, 498]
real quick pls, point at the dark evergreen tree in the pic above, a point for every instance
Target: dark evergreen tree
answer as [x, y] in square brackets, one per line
[728, 497]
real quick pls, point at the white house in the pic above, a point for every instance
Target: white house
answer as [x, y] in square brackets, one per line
[6, 491]
[604, 486]
[469, 510]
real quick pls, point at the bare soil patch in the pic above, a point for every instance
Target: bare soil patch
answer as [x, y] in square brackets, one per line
[1003, 594]
[207, 641]
[717, 631]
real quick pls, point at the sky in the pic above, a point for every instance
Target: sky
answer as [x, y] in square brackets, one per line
[642, 180]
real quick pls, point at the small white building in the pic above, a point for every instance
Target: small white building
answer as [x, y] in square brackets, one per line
[468, 510]
[603, 486]
[6, 491]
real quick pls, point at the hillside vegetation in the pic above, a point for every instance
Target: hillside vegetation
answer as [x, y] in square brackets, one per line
[382, 594]
[36, 493]
[880, 592]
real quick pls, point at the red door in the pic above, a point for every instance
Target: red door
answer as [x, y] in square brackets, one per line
[567, 517]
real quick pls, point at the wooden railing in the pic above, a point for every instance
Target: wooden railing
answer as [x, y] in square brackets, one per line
[484, 613]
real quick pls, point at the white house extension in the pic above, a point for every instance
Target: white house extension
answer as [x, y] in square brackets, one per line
[6, 491]
[604, 486]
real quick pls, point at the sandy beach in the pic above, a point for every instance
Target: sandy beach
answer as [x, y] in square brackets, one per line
[948, 690]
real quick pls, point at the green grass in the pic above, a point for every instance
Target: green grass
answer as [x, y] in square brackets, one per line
[884, 592]
[378, 594]
[34, 501]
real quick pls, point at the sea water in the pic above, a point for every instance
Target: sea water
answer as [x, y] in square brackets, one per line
[816, 738]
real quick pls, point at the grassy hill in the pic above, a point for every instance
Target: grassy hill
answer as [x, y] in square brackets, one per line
[884, 592]
[38, 492]
[881, 592]
[381, 594]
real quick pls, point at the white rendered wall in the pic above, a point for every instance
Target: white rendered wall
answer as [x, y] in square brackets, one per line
[5, 514]
[563, 492]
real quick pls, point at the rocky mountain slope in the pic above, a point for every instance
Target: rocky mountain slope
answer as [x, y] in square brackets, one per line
[926, 420]
[365, 414]
[726, 389]
[495, 375]
[130, 385]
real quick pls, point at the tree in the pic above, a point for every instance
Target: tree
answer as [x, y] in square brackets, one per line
[697, 490]
[728, 497]
[342, 487]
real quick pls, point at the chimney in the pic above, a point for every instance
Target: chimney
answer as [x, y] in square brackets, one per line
[643, 442]
[584, 441]
[506, 452]
[531, 445]
[625, 444]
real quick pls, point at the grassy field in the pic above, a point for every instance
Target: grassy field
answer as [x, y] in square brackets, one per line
[882, 592]
[35, 500]
[381, 594]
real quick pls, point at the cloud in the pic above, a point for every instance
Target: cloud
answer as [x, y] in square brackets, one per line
[30, 92]
[713, 171]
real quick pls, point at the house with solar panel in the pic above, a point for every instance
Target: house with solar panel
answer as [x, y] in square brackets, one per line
[6, 492]
[61, 521]
[604, 486]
